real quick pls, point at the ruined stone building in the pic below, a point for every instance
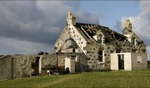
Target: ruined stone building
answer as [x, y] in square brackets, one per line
[82, 47]
[104, 48]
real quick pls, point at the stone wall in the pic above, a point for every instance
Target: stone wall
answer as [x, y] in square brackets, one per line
[15, 66]
[61, 60]
[82, 63]
[49, 60]
[94, 54]
[18, 66]
[5, 67]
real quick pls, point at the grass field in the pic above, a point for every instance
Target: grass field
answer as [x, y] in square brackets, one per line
[132, 79]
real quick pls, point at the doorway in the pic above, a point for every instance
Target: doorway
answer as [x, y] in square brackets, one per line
[120, 61]
[35, 66]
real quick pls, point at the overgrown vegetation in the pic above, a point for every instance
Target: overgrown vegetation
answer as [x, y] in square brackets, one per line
[132, 79]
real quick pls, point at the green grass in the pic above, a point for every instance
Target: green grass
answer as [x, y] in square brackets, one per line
[127, 79]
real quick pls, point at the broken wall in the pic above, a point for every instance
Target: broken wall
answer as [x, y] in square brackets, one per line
[48, 60]
[15, 66]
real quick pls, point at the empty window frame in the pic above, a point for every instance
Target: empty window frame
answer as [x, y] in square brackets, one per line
[100, 56]
[139, 59]
[100, 39]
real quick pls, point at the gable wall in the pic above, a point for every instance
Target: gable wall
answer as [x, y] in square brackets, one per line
[76, 35]
[138, 63]
[61, 40]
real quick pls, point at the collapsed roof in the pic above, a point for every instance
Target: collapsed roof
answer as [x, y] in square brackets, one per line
[89, 30]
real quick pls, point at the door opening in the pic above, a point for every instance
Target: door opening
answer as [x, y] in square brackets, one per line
[120, 62]
[35, 66]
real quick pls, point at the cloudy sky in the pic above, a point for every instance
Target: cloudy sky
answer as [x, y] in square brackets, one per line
[27, 27]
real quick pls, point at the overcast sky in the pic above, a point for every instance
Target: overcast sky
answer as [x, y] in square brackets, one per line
[27, 27]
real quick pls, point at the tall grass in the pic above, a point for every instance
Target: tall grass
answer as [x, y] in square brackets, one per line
[127, 79]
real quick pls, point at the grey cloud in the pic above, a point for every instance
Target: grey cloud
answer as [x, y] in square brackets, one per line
[14, 46]
[118, 26]
[37, 21]
[143, 22]
[85, 17]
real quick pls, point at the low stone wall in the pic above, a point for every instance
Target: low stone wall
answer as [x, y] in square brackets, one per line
[5, 67]
[16, 66]
[52, 61]
[49, 60]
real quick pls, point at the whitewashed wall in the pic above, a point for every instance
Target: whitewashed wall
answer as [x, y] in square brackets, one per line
[127, 61]
[76, 35]
[70, 63]
[114, 61]
[132, 61]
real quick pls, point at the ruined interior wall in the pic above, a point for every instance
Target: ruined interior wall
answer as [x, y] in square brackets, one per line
[52, 61]
[48, 60]
[61, 60]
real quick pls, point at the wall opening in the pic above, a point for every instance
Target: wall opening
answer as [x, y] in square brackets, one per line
[100, 57]
[35, 66]
[139, 59]
[120, 62]
[118, 51]
[74, 50]
[100, 39]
